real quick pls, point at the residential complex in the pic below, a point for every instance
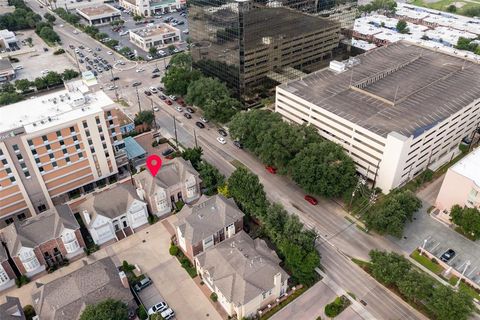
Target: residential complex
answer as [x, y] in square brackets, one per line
[54, 147]
[159, 36]
[206, 223]
[429, 28]
[11, 309]
[461, 185]
[7, 275]
[248, 45]
[244, 273]
[44, 241]
[99, 14]
[113, 214]
[391, 109]
[149, 8]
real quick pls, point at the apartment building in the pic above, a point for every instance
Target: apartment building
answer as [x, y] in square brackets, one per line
[396, 110]
[55, 147]
[461, 185]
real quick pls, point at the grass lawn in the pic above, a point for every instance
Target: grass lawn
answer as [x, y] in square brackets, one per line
[426, 262]
[463, 286]
[442, 5]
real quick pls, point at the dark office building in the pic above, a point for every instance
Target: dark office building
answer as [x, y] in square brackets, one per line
[249, 44]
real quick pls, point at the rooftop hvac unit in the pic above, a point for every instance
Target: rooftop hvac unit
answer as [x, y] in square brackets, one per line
[337, 66]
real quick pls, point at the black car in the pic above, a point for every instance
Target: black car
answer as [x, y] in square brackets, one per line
[222, 132]
[81, 47]
[155, 76]
[81, 61]
[448, 255]
[71, 46]
[95, 73]
[142, 284]
[89, 68]
[238, 144]
[199, 124]
[190, 110]
[187, 115]
[115, 79]
[136, 84]
[156, 70]
[162, 97]
[148, 93]
[167, 152]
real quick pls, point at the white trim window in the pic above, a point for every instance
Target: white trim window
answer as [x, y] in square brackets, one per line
[208, 242]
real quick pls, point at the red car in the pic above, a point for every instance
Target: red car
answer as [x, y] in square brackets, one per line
[271, 169]
[311, 199]
[168, 102]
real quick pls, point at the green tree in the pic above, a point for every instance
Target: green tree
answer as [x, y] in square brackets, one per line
[171, 48]
[248, 192]
[387, 6]
[111, 43]
[323, 169]
[416, 286]
[402, 26]
[69, 74]
[40, 83]
[452, 8]
[177, 79]
[212, 179]
[53, 78]
[153, 51]
[468, 219]
[101, 35]
[183, 60]
[221, 110]
[466, 44]
[23, 85]
[49, 17]
[389, 268]
[204, 89]
[91, 30]
[390, 215]
[194, 155]
[9, 98]
[302, 263]
[49, 35]
[29, 312]
[446, 304]
[136, 17]
[106, 310]
[144, 117]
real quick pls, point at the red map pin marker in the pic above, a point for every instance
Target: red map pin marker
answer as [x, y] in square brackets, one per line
[154, 163]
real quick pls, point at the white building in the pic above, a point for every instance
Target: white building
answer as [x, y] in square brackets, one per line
[461, 185]
[99, 14]
[114, 214]
[149, 8]
[396, 110]
[244, 273]
[159, 35]
[7, 38]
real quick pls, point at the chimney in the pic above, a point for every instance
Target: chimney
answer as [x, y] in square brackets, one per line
[86, 217]
[124, 279]
[277, 280]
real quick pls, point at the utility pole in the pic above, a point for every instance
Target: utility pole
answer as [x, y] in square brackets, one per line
[138, 99]
[154, 119]
[114, 84]
[175, 128]
[195, 135]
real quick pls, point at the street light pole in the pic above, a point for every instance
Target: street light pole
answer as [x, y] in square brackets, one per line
[114, 84]
[76, 60]
[195, 135]
[467, 264]
[175, 128]
[154, 119]
[138, 99]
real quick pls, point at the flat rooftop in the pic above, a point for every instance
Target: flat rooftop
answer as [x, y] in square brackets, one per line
[99, 10]
[154, 30]
[51, 110]
[416, 88]
[469, 166]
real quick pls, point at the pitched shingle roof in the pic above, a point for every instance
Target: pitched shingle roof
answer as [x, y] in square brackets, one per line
[66, 297]
[207, 217]
[39, 229]
[11, 309]
[241, 268]
[111, 203]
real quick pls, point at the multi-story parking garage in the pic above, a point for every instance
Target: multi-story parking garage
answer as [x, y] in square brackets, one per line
[396, 110]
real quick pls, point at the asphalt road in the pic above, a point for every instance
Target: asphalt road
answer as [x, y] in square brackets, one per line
[338, 237]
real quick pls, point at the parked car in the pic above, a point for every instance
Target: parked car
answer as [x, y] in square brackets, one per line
[187, 115]
[174, 98]
[190, 110]
[161, 96]
[156, 109]
[142, 284]
[199, 124]
[153, 90]
[204, 120]
[221, 140]
[238, 144]
[448, 255]
[168, 314]
[148, 93]
[222, 132]
[271, 169]
[136, 84]
[168, 102]
[155, 76]
[167, 152]
[311, 199]
[158, 308]
[179, 109]
[155, 70]
[115, 79]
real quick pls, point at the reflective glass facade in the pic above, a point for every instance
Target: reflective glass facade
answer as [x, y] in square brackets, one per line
[250, 44]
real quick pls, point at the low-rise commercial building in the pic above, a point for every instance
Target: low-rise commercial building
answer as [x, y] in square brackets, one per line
[206, 223]
[461, 185]
[114, 214]
[99, 14]
[7, 72]
[244, 273]
[396, 110]
[55, 147]
[7, 39]
[158, 36]
[44, 241]
[150, 8]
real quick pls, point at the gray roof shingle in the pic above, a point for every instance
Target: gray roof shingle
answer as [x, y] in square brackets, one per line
[11, 309]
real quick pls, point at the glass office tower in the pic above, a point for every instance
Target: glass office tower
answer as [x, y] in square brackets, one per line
[250, 44]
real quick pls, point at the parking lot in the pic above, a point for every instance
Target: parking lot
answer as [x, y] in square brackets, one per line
[131, 24]
[38, 60]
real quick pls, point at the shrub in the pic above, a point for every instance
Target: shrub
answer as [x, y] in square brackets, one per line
[334, 308]
[59, 51]
[29, 312]
[152, 219]
[126, 267]
[22, 280]
[154, 143]
[214, 297]
[173, 250]
[142, 313]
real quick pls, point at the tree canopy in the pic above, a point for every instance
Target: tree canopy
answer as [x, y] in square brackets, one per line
[402, 26]
[212, 179]
[387, 6]
[106, 310]
[194, 155]
[468, 219]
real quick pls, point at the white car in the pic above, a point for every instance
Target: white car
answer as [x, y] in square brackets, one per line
[77, 50]
[158, 308]
[221, 140]
[109, 52]
[179, 109]
[19, 67]
[167, 314]
[44, 72]
[123, 33]
[149, 57]
[61, 26]
[140, 70]
[153, 90]
[156, 109]
[75, 32]
[112, 87]
[204, 120]
[172, 97]
[89, 50]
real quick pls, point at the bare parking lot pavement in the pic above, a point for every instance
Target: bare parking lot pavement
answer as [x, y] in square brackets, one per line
[148, 249]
